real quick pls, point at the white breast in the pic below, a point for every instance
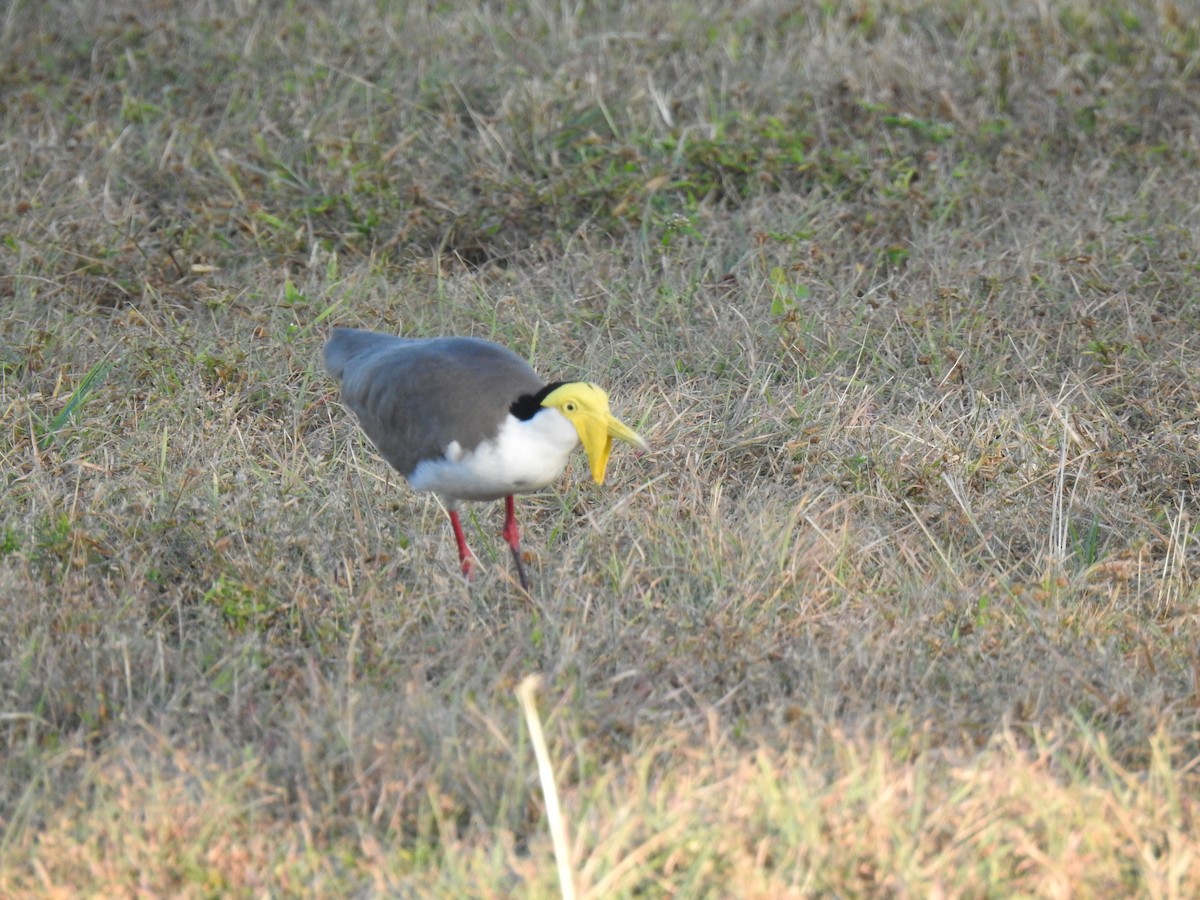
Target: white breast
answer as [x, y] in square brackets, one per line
[523, 457]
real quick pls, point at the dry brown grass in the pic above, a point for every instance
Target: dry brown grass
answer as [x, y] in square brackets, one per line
[904, 295]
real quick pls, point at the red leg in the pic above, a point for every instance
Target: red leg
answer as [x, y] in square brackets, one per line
[513, 535]
[464, 552]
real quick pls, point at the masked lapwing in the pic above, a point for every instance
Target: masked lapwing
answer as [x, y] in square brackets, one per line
[470, 420]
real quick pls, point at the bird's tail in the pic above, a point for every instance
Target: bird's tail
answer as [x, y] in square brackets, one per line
[346, 344]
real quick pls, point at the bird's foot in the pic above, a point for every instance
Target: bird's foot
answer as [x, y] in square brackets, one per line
[512, 534]
[516, 555]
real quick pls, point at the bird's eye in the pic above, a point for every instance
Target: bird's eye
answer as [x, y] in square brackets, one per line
[570, 407]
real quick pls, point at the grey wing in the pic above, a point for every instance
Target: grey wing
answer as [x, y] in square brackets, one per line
[414, 397]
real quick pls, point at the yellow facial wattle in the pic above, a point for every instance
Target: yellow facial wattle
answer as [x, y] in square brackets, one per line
[586, 407]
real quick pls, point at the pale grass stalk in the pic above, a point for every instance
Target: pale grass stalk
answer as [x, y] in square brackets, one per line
[934, 543]
[1058, 516]
[1171, 584]
[958, 492]
[558, 829]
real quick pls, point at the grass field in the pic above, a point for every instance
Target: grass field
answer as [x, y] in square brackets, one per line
[905, 295]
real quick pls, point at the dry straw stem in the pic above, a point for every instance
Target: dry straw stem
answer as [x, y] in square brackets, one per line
[906, 602]
[527, 695]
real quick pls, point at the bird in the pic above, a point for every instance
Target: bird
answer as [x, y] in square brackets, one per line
[469, 420]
